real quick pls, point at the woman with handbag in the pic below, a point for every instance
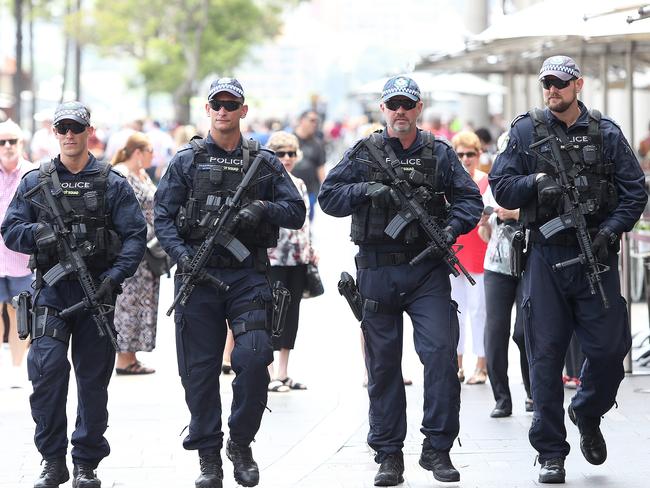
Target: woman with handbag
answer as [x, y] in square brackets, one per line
[136, 309]
[289, 263]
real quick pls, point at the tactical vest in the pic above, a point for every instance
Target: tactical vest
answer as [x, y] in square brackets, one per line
[216, 179]
[421, 170]
[86, 214]
[586, 166]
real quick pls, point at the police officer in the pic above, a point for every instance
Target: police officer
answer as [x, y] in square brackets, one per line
[107, 223]
[391, 286]
[200, 175]
[609, 181]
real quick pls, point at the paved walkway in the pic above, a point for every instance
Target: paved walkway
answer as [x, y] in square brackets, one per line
[316, 438]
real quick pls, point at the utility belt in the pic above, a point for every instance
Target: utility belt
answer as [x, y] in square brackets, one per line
[379, 259]
[32, 321]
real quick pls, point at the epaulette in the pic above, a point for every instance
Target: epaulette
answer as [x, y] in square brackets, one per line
[184, 148]
[357, 145]
[518, 118]
[114, 171]
[444, 140]
[611, 121]
[266, 149]
[30, 171]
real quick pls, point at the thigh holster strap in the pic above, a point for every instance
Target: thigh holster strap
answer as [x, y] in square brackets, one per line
[375, 306]
[242, 327]
[41, 328]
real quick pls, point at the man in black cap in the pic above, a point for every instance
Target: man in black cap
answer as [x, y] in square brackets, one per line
[390, 286]
[201, 178]
[603, 177]
[102, 214]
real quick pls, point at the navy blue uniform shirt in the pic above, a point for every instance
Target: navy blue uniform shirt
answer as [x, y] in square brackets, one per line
[286, 210]
[512, 177]
[121, 204]
[344, 188]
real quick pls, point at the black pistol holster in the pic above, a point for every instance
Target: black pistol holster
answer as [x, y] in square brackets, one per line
[518, 253]
[23, 305]
[281, 301]
[348, 289]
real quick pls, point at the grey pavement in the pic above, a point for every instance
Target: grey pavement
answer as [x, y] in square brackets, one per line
[316, 438]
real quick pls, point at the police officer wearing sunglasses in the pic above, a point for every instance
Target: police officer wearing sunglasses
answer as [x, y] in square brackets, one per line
[200, 177]
[390, 286]
[555, 304]
[105, 218]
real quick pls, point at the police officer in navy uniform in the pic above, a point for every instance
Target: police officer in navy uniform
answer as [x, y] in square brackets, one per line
[108, 224]
[199, 176]
[557, 303]
[390, 286]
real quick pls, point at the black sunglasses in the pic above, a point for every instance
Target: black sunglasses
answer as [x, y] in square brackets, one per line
[281, 154]
[470, 154]
[12, 142]
[75, 127]
[229, 105]
[547, 83]
[395, 104]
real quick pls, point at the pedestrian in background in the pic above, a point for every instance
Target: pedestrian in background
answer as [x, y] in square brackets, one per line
[198, 180]
[289, 260]
[605, 175]
[15, 275]
[390, 286]
[471, 299]
[103, 216]
[310, 168]
[136, 308]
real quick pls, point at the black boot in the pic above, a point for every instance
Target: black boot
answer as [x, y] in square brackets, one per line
[55, 473]
[552, 471]
[438, 462]
[391, 470]
[592, 442]
[211, 471]
[83, 476]
[246, 471]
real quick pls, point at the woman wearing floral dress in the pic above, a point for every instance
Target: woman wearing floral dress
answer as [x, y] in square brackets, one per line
[289, 261]
[136, 309]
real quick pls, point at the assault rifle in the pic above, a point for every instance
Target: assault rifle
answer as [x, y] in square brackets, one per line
[412, 209]
[219, 223]
[72, 261]
[573, 217]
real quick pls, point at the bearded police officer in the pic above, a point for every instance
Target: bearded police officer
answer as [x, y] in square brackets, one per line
[202, 177]
[391, 286]
[99, 213]
[552, 157]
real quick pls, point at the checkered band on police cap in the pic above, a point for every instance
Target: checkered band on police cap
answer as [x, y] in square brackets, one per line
[562, 67]
[76, 111]
[230, 85]
[400, 85]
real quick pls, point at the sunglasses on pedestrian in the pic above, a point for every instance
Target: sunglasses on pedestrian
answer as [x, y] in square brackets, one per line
[281, 154]
[229, 105]
[470, 154]
[393, 105]
[12, 142]
[547, 83]
[75, 127]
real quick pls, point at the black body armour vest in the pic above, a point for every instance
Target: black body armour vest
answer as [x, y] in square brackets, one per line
[421, 170]
[86, 214]
[215, 179]
[586, 165]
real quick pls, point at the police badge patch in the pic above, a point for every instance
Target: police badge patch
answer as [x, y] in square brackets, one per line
[503, 141]
[401, 83]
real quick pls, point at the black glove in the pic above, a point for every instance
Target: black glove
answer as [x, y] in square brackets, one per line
[106, 291]
[249, 217]
[184, 263]
[381, 195]
[450, 235]
[45, 237]
[548, 191]
[601, 243]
